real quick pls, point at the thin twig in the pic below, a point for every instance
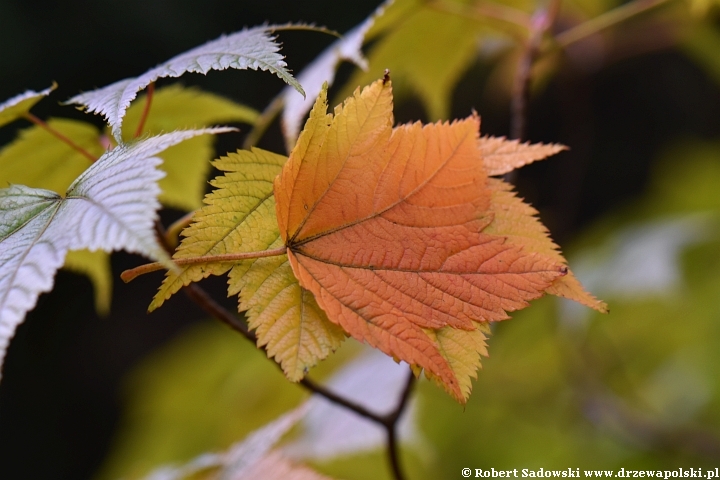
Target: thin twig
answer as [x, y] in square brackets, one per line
[341, 401]
[388, 421]
[518, 21]
[133, 273]
[32, 118]
[542, 21]
[606, 20]
[392, 420]
[146, 110]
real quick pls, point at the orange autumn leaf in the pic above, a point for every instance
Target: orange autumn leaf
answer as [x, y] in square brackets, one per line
[387, 228]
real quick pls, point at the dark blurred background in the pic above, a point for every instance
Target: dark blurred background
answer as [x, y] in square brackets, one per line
[59, 396]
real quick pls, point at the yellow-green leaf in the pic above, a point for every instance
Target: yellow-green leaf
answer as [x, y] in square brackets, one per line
[54, 164]
[286, 317]
[463, 350]
[96, 265]
[19, 105]
[427, 51]
[187, 165]
[239, 216]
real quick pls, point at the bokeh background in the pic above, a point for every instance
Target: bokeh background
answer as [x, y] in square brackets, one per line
[634, 203]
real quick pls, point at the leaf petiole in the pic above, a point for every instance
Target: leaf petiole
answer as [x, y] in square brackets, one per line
[146, 109]
[129, 275]
[40, 123]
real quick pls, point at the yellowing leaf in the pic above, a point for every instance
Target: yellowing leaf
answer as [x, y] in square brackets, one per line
[463, 350]
[518, 222]
[285, 316]
[96, 265]
[54, 163]
[501, 155]
[187, 165]
[385, 227]
[238, 217]
[19, 105]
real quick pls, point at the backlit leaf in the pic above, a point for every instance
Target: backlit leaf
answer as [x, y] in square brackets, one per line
[427, 50]
[19, 105]
[322, 70]
[55, 163]
[518, 222]
[187, 165]
[385, 227]
[237, 217]
[252, 48]
[110, 206]
[463, 350]
[240, 217]
[501, 155]
[285, 316]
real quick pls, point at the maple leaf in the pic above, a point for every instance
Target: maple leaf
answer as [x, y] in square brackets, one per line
[398, 236]
[386, 228]
[239, 216]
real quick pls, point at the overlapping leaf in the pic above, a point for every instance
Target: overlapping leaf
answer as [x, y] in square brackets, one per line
[252, 48]
[187, 165]
[55, 163]
[19, 105]
[397, 236]
[240, 217]
[422, 63]
[110, 206]
[322, 70]
[517, 221]
[385, 227]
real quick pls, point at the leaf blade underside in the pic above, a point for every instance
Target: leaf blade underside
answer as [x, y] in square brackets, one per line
[252, 48]
[385, 227]
[239, 216]
[111, 205]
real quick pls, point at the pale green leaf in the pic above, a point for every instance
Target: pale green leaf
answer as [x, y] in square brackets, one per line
[19, 105]
[55, 164]
[252, 48]
[112, 205]
[187, 165]
[426, 52]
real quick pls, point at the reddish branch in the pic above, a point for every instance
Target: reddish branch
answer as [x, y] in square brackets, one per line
[146, 110]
